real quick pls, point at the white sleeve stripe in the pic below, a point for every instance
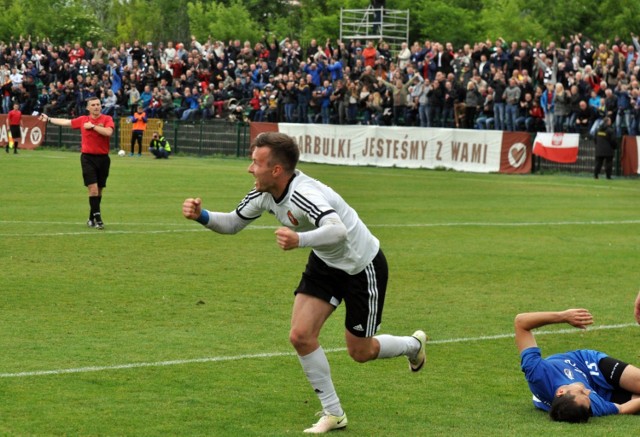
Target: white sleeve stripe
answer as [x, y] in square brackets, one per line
[253, 194]
[373, 300]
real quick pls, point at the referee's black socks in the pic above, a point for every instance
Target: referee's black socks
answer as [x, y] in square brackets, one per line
[94, 204]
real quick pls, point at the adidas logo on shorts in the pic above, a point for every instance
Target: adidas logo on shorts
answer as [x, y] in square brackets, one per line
[358, 328]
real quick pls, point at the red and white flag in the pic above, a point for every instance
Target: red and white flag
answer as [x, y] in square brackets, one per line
[557, 147]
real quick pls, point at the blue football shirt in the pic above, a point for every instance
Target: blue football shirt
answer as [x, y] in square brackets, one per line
[544, 376]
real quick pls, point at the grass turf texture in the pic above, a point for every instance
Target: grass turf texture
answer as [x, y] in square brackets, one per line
[182, 310]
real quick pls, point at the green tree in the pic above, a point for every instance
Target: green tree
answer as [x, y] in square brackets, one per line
[173, 22]
[222, 22]
[101, 9]
[619, 18]
[508, 19]
[75, 23]
[432, 19]
[564, 17]
[136, 20]
[11, 12]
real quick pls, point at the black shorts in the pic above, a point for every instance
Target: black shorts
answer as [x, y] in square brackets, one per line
[16, 133]
[363, 293]
[95, 169]
[612, 369]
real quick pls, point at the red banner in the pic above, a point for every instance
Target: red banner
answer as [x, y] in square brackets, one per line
[629, 158]
[33, 131]
[516, 153]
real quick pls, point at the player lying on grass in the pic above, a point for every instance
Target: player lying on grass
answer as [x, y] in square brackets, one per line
[575, 385]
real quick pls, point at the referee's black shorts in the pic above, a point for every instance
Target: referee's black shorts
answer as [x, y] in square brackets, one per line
[16, 133]
[363, 292]
[95, 169]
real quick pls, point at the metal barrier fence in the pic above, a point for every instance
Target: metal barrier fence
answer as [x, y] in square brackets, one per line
[212, 137]
[585, 163]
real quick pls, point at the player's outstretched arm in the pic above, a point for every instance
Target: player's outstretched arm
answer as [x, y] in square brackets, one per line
[220, 222]
[56, 121]
[524, 323]
[637, 308]
[192, 208]
[629, 407]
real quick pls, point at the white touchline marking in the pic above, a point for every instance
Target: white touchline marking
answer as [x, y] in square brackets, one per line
[102, 232]
[282, 354]
[261, 227]
[537, 333]
[498, 224]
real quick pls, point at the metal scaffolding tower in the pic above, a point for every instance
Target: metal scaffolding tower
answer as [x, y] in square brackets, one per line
[391, 25]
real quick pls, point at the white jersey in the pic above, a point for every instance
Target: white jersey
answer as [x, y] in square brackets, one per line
[303, 207]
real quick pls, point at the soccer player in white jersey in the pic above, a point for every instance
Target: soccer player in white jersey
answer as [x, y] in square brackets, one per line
[345, 263]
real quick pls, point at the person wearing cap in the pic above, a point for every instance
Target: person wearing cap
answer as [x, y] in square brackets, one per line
[159, 146]
[31, 70]
[357, 60]
[606, 144]
[149, 52]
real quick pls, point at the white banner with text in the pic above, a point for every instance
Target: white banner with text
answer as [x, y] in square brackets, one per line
[409, 147]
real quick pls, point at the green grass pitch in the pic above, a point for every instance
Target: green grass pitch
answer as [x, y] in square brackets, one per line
[158, 327]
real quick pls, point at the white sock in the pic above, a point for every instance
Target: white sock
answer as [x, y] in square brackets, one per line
[316, 368]
[393, 346]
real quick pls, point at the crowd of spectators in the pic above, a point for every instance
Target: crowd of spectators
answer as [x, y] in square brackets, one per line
[568, 86]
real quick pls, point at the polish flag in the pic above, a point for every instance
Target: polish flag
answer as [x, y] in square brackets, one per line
[557, 147]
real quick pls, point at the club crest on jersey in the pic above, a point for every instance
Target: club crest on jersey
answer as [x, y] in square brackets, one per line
[292, 219]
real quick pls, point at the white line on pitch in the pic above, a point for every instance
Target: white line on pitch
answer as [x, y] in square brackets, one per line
[537, 333]
[498, 224]
[260, 227]
[279, 354]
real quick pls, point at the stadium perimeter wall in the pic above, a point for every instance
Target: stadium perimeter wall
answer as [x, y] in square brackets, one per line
[226, 138]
